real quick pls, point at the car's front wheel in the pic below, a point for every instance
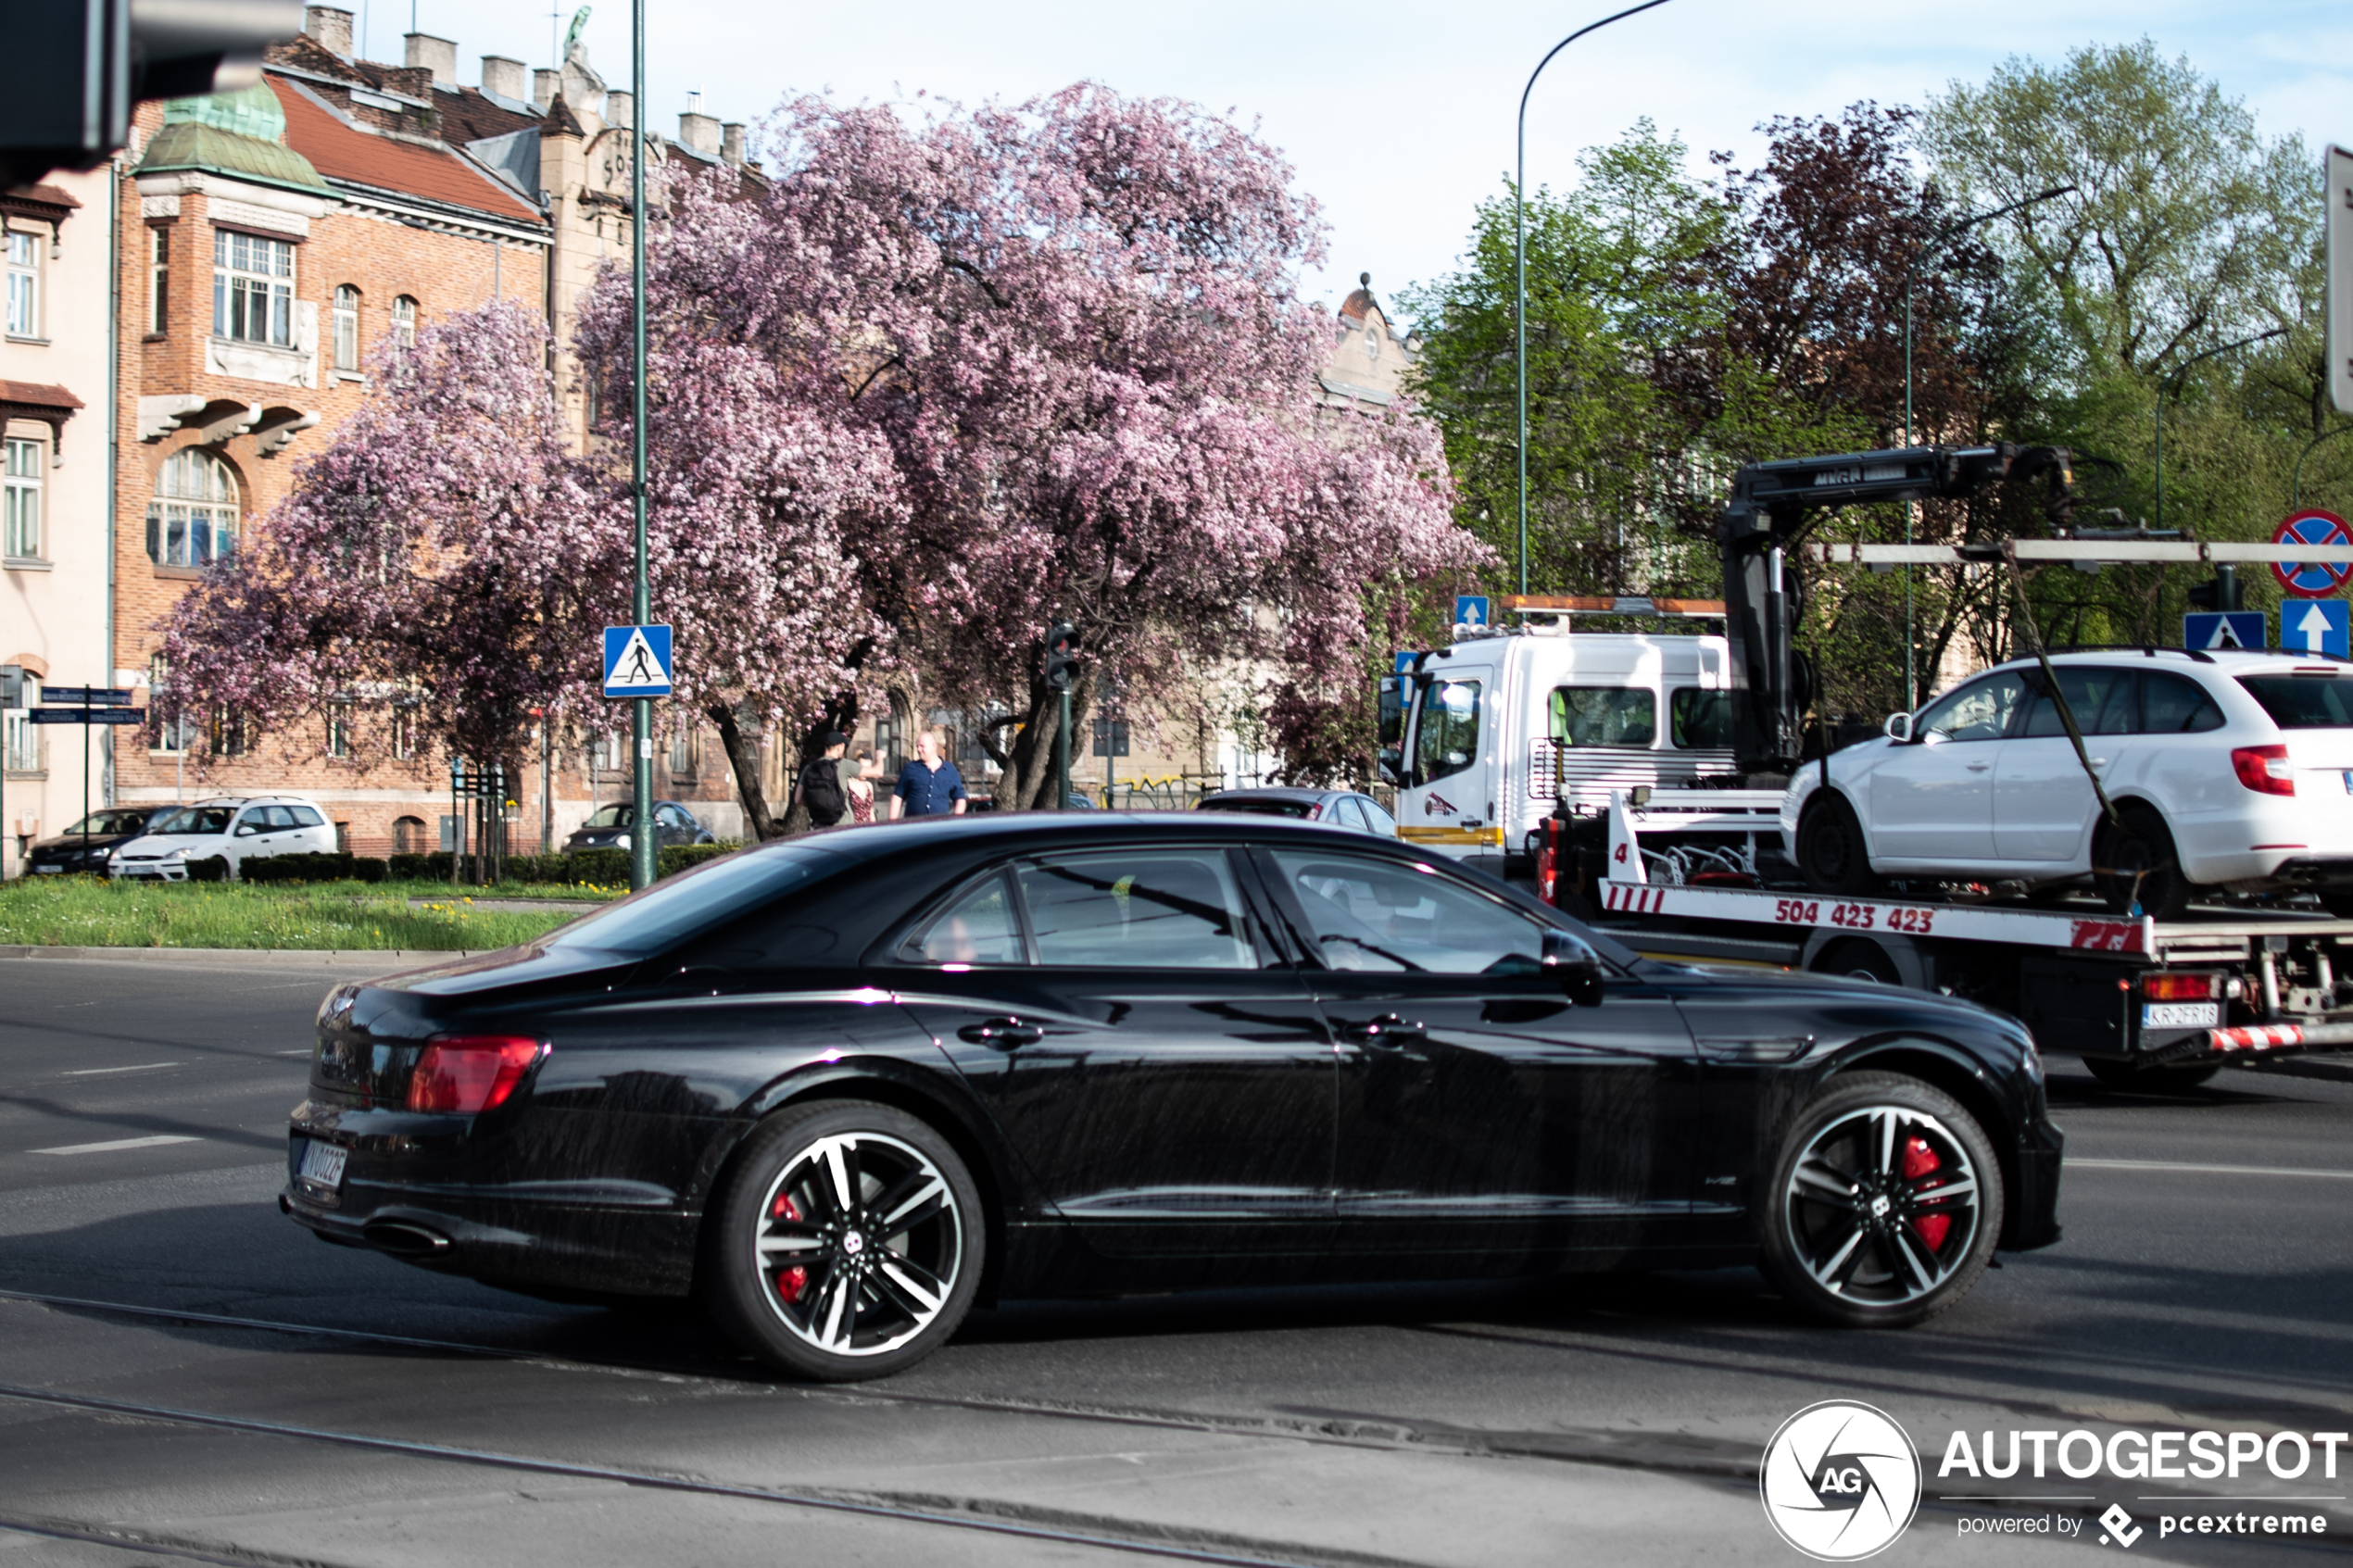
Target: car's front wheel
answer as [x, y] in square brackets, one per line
[1884, 1205]
[848, 1244]
[1830, 852]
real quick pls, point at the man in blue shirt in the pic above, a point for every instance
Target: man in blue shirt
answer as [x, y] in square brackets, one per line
[928, 786]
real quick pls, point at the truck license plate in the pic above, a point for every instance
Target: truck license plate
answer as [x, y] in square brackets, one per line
[322, 1163]
[2181, 1015]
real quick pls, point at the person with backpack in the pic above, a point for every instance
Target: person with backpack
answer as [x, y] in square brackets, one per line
[820, 787]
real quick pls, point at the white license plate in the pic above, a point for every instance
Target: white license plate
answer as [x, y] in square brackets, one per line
[47, 870]
[322, 1162]
[2181, 1015]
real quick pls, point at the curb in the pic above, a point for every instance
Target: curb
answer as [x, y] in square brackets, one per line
[383, 959]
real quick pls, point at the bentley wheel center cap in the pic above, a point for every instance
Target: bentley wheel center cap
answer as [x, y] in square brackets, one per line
[1878, 1211]
[853, 1244]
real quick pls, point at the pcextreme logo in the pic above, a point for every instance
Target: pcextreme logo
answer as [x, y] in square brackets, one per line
[1840, 1481]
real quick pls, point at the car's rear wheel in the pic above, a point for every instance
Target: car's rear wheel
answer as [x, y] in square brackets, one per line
[847, 1243]
[1884, 1205]
[2117, 1074]
[2138, 863]
[1830, 850]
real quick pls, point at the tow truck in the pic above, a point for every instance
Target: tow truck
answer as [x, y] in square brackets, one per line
[1692, 870]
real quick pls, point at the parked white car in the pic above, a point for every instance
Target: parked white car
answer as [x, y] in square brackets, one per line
[2228, 769]
[237, 828]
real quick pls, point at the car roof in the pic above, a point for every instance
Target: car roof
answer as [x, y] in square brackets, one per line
[1273, 792]
[1005, 831]
[2227, 661]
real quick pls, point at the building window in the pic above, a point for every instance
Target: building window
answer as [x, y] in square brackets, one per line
[686, 752]
[404, 734]
[192, 520]
[346, 326]
[252, 288]
[24, 285]
[339, 732]
[159, 279]
[22, 537]
[21, 752]
[404, 322]
[168, 729]
[408, 836]
[229, 737]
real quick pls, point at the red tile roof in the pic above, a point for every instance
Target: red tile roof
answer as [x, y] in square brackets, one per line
[37, 395]
[342, 152]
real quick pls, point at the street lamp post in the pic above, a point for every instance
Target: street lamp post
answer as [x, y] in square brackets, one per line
[2172, 384]
[1911, 276]
[641, 710]
[1519, 260]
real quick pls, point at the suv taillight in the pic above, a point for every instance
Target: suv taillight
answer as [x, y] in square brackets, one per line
[471, 1074]
[2264, 768]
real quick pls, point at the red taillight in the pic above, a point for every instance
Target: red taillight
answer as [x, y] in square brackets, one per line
[2264, 768]
[471, 1074]
[2180, 987]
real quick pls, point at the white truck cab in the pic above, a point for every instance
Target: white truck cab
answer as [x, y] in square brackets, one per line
[1487, 736]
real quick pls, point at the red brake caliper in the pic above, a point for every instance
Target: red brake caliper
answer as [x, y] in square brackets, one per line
[791, 1282]
[1922, 1160]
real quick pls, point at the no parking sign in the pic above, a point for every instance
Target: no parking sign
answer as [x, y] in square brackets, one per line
[2312, 580]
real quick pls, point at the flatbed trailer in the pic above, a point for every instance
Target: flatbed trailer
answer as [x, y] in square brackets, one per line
[2136, 997]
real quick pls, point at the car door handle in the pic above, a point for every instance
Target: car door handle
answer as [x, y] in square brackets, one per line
[1386, 1032]
[1977, 767]
[1004, 1034]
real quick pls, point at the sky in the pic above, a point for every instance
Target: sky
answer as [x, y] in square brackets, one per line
[1399, 119]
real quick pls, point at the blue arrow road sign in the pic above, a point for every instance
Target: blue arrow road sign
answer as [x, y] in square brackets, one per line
[2316, 626]
[2226, 629]
[1470, 610]
[1405, 657]
[636, 662]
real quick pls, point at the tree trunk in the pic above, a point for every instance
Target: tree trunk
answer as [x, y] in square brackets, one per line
[743, 756]
[1029, 759]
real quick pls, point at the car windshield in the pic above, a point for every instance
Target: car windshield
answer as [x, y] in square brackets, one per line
[1260, 806]
[195, 819]
[678, 906]
[2304, 702]
[108, 822]
[612, 817]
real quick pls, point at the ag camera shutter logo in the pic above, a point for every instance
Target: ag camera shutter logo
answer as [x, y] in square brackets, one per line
[1840, 1481]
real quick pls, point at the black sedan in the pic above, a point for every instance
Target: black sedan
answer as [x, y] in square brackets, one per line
[843, 1086]
[75, 850]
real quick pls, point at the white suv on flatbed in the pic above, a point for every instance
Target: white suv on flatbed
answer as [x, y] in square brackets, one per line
[2228, 769]
[236, 828]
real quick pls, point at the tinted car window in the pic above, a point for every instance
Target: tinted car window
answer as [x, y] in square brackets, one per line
[2105, 702]
[979, 927]
[2175, 705]
[304, 817]
[1147, 908]
[672, 817]
[1380, 821]
[1446, 739]
[195, 819]
[1260, 806]
[1696, 718]
[2303, 702]
[1981, 711]
[1604, 716]
[1387, 917]
[108, 822]
[612, 817]
[681, 906]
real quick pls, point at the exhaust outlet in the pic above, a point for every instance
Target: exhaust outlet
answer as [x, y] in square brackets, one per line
[403, 1239]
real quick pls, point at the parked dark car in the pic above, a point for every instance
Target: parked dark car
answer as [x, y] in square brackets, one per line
[1333, 807]
[609, 827]
[844, 1086]
[115, 824]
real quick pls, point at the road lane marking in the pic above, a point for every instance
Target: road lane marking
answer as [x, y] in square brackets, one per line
[2210, 1169]
[113, 1144]
[101, 1072]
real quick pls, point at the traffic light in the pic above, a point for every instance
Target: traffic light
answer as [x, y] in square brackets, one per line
[73, 68]
[1062, 654]
[2221, 593]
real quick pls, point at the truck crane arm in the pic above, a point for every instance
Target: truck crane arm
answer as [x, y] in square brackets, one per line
[1771, 506]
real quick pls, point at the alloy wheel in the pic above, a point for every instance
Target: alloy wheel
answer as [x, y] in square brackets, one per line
[1883, 1205]
[859, 1243]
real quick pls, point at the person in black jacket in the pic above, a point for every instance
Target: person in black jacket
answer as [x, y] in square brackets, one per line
[820, 785]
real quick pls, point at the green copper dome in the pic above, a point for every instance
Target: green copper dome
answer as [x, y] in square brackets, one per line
[252, 112]
[239, 134]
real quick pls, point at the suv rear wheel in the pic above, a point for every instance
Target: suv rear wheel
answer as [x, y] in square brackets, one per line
[1830, 852]
[2137, 863]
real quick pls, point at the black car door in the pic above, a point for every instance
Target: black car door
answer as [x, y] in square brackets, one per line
[1143, 1046]
[1480, 1109]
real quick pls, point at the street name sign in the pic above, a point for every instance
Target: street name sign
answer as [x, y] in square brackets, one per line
[637, 662]
[108, 696]
[2318, 626]
[2207, 630]
[88, 716]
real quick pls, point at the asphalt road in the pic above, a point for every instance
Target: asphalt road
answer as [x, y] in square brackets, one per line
[360, 1412]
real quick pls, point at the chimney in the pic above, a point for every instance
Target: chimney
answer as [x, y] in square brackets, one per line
[331, 26]
[698, 129]
[543, 86]
[731, 143]
[438, 55]
[506, 78]
[620, 108]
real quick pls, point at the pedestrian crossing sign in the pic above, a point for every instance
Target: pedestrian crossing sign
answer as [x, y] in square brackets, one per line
[2225, 629]
[636, 662]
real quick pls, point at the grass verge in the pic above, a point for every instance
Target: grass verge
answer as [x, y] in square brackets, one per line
[74, 911]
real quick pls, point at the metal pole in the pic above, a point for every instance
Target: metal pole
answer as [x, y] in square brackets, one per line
[1061, 755]
[85, 779]
[1519, 262]
[641, 710]
[2173, 383]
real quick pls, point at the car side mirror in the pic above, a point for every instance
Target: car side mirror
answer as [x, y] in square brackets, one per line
[1899, 728]
[1573, 964]
[246, 830]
